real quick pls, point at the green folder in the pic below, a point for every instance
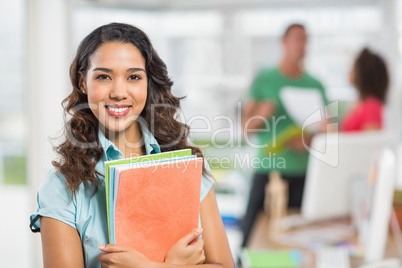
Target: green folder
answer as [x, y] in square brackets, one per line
[261, 258]
[292, 131]
[150, 157]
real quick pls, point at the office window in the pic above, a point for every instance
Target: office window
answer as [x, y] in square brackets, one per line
[213, 55]
[336, 35]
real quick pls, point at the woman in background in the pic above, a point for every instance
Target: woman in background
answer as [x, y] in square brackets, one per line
[370, 77]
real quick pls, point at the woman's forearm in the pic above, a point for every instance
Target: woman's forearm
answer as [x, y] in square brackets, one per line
[206, 265]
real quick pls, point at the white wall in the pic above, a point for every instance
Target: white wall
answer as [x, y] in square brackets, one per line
[47, 69]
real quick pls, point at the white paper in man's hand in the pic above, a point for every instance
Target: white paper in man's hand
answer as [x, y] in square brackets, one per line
[300, 103]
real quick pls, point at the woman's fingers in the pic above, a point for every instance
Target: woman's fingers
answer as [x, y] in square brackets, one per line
[198, 243]
[189, 250]
[109, 248]
[202, 257]
[190, 237]
[198, 249]
[104, 258]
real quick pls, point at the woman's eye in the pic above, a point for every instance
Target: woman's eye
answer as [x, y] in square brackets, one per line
[134, 77]
[102, 77]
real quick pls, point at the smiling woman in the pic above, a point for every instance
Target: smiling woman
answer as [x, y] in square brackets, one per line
[116, 85]
[121, 106]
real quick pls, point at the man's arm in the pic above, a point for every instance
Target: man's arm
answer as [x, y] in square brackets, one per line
[255, 114]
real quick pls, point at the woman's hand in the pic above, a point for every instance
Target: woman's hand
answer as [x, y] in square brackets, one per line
[189, 250]
[299, 144]
[122, 257]
[296, 144]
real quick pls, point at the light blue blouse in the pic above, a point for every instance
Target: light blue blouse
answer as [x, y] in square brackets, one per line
[87, 212]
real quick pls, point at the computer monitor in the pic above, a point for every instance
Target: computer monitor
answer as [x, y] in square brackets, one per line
[380, 211]
[327, 192]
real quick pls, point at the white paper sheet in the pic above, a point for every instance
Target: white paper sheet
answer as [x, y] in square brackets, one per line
[300, 103]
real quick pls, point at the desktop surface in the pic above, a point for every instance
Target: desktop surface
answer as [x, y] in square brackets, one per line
[261, 239]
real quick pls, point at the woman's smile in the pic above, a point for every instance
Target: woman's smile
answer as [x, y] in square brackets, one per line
[118, 110]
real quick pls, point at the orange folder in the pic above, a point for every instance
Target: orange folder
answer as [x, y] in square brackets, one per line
[156, 206]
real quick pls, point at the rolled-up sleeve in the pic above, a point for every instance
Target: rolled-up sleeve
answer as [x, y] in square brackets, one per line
[54, 200]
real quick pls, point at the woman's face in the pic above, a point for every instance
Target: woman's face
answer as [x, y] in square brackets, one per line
[116, 85]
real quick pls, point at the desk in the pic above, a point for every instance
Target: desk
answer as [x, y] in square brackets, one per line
[260, 240]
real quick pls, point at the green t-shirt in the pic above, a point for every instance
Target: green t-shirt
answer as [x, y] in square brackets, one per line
[271, 84]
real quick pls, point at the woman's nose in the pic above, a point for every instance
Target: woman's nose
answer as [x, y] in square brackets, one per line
[119, 89]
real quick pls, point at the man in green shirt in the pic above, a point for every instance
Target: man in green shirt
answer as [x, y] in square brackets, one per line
[278, 133]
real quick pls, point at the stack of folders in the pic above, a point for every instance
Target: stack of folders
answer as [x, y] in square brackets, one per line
[153, 200]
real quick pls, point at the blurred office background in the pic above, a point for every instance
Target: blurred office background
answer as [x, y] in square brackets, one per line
[212, 48]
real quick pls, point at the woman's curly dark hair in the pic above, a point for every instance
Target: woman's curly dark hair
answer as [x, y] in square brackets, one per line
[81, 150]
[371, 76]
